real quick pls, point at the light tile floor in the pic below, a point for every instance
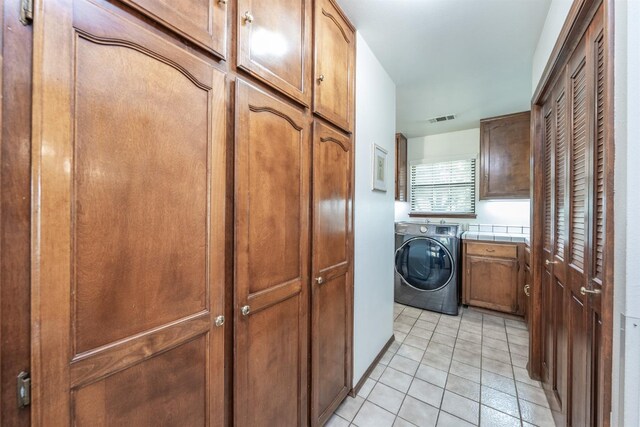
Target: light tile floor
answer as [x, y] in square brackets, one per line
[467, 370]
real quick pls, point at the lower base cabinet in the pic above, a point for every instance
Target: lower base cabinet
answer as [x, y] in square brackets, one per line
[493, 276]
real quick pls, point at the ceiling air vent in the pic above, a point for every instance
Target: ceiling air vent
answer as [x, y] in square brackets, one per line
[442, 118]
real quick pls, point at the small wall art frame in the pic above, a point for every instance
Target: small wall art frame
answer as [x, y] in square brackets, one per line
[379, 168]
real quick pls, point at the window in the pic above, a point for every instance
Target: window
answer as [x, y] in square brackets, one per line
[444, 188]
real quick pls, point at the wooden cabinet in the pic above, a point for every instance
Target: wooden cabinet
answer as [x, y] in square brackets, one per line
[572, 223]
[129, 278]
[401, 168]
[492, 276]
[274, 44]
[332, 272]
[504, 157]
[271, 260]
[203, 23]
[334, 69]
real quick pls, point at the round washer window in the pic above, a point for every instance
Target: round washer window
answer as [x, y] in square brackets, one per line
[424, 264]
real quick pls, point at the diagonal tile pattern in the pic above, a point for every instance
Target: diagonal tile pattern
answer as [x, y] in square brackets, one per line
[466, 370]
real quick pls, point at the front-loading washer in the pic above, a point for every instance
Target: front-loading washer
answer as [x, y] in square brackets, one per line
[427, 263]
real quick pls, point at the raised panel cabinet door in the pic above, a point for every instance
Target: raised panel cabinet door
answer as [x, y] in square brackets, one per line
[272, 152]
[274, 44]
[128, 278]
[492, 283]
[504, 157]
[332, 284]
[203, 22]
[334, 70]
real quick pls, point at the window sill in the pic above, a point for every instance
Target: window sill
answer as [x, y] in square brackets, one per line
[433, 215]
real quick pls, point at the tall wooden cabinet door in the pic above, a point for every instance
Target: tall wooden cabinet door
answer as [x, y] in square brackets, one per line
[128, 214]
[334, 71]
[332, 285]
[202, 22]
[271, 261]
[274, 44]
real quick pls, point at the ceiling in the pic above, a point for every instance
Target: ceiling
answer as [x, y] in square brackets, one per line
[471, 58]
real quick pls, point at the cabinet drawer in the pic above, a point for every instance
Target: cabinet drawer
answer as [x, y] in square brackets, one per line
[492, 250]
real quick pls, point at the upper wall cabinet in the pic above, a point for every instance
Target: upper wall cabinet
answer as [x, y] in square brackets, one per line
[504, 157]
[334, 73]
[401, 167]
[202, 22]
[274, 44]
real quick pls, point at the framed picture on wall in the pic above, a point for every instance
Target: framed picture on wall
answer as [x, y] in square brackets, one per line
[379, 168]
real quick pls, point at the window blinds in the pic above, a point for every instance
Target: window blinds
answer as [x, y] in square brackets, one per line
[444, 187]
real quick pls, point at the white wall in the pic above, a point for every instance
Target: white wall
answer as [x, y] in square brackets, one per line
[373, 222]
[626, 315]
[556, 16]
[466, 142]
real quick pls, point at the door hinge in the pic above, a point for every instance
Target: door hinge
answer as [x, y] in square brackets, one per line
[26, 11]
[24, 389]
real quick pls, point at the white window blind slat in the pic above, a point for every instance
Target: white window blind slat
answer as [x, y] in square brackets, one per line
[444, 187]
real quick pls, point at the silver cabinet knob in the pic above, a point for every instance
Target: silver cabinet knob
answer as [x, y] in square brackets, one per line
[319, 280]
[585, 291]
[321, 78]
[219, 321]
[248, 17]
[245, 310]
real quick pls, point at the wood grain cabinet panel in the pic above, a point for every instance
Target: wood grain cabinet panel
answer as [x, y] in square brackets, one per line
[402, 186]
[274, 44]
[493, 277]
[130, 213]
[203, 22]
[332, 287]
[271, 260]
[504, 157]
[334, 69]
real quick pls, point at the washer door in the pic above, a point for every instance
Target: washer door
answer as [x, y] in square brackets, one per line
[424, 264]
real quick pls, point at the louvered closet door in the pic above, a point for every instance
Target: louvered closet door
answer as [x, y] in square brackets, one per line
[547, 246]
[271, 261]
[579, 123]
[557, 265]
[597, 221]
[129, 211]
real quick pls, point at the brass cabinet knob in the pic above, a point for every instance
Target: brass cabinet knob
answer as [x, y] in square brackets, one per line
[219, 321]
[245, 310]
[321, 78]
[585, 291]
[319, 280]
[248, 17]
[527, 291]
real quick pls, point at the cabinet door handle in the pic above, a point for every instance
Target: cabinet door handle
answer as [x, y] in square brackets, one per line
[319, 280]
[526, 290]
[321, 78]
[245, 310]
[248, 17]
[222, 2]
[219, 321]
[490, 250]
[585, 291]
